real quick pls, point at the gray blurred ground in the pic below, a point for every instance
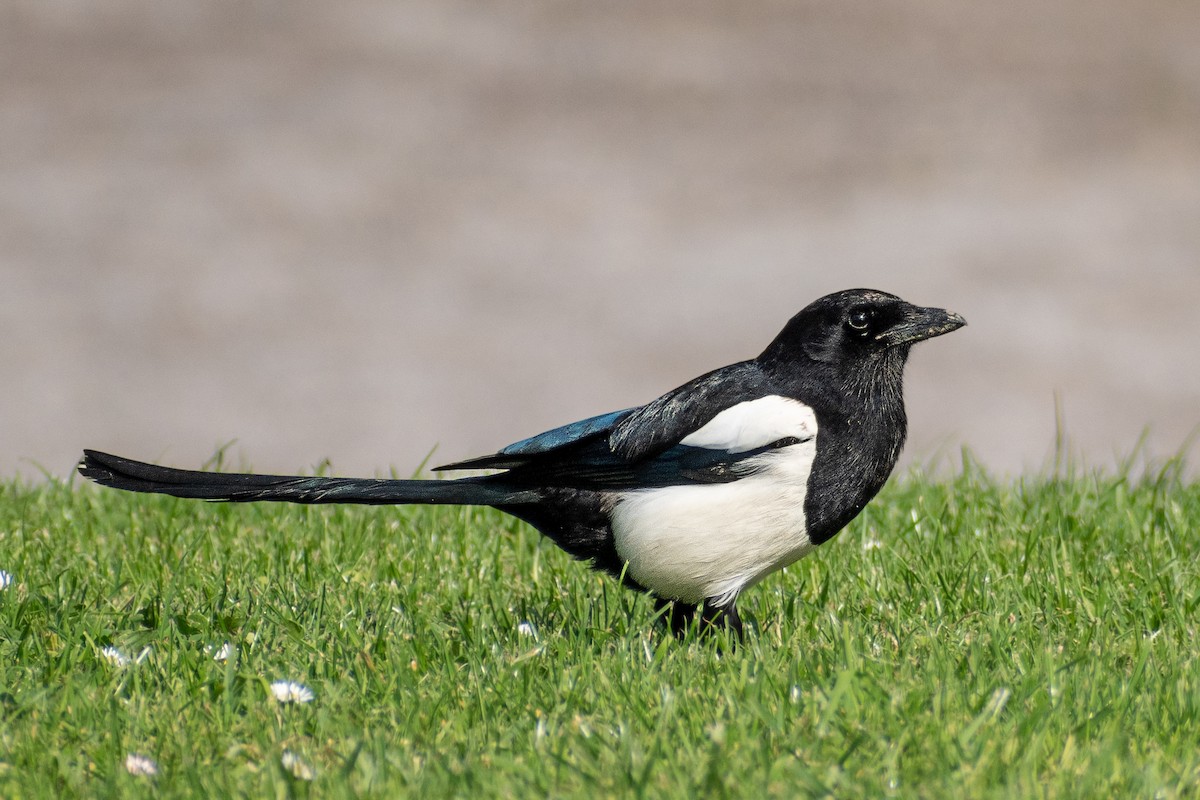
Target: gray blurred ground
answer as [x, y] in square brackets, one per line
[358, 230]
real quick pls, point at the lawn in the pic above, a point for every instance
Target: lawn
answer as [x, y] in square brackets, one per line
[964, 637]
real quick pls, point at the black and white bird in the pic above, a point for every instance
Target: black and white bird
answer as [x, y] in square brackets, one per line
[693, 497]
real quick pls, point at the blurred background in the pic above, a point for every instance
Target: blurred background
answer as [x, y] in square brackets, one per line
[366, 229]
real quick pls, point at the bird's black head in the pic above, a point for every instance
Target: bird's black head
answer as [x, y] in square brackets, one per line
[859, 336]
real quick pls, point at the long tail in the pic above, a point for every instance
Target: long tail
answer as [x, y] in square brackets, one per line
[138, 476]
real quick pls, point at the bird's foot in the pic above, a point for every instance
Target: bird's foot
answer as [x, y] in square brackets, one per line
[676, 615]
[715, 617]
[679, 618]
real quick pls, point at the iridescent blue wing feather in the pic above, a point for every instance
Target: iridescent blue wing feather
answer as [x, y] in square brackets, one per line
[519, 453]
[565, 435]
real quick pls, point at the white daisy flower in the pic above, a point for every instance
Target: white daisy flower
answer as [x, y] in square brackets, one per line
[872, 544]
[6, 578]
[291, 692]
[221, 653]
[118, 659]
[114, 656]
[142, 766]
[297, 766]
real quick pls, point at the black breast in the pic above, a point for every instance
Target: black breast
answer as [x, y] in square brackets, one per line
[855, 455]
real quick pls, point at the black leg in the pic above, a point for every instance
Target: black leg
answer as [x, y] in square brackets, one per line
[678, 617]
[715, 616]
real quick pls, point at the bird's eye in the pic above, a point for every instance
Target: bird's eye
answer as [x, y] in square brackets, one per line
[860, 319]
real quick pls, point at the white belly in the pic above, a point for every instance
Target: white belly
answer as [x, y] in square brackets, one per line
[696, 542]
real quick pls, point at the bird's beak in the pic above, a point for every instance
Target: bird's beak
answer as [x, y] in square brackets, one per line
[920, 324]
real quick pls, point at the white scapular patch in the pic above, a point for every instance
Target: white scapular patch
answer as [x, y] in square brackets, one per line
[755, 423]
[697, 542]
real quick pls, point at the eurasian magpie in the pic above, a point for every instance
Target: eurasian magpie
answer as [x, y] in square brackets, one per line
[692, 497]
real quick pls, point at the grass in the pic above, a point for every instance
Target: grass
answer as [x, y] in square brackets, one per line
[964, 637]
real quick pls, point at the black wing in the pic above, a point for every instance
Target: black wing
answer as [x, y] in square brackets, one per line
[663, 423]
[639, 447]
